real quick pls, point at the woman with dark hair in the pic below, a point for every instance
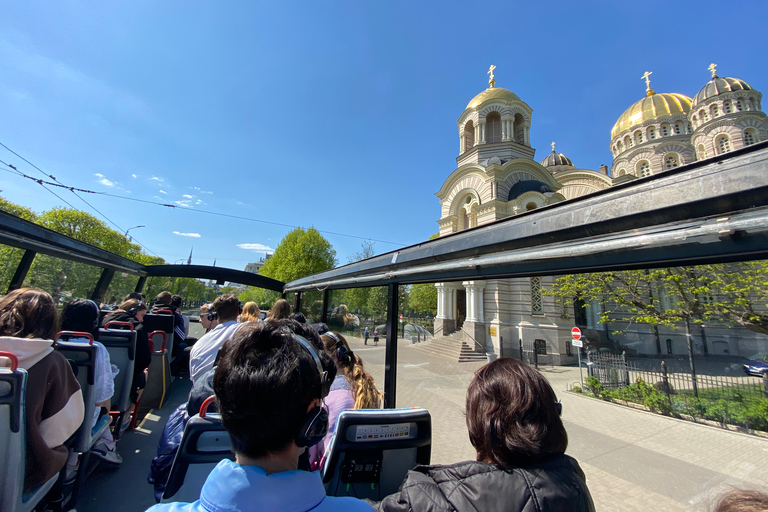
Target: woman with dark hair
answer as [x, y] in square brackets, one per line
[132, 311]
[82, 315]
[54, 402]
[513, 419]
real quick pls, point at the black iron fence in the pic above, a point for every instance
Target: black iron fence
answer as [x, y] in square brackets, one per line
[734, 400]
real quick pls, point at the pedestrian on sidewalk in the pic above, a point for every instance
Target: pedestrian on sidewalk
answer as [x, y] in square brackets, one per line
[366, 334]
[376, 336]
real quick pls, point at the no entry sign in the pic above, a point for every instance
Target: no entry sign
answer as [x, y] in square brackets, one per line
[576, 333]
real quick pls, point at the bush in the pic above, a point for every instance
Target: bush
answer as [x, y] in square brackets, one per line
[659, 385]
[594, 386]
[577, 389]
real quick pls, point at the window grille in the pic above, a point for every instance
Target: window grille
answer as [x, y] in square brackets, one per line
[537, 307]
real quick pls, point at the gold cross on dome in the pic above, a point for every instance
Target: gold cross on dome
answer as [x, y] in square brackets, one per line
[490, 72]
[713, 69]
[647, 77]
[553, 147]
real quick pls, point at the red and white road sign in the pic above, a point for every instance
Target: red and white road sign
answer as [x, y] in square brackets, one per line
[576, 333]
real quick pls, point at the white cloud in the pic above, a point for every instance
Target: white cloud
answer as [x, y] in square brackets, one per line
[191, 235]
[202, 191]
[134, 176]
[185, 203]
[104, 181]
[199, 201]
[256, 247]
[187, 196]
[163, 192]
[155, 178]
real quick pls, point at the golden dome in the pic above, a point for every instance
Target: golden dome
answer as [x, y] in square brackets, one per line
[652, 107]
[493, 93]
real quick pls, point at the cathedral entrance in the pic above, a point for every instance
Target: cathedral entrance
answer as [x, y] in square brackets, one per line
[461, 308]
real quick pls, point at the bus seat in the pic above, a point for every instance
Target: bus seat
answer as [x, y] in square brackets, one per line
[121, 345]
[204, 444]
[159, 375]
[161, 321]
[13, 386]
[84, 356]
[373, 449]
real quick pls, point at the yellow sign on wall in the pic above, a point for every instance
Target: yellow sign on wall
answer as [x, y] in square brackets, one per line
[492, 331]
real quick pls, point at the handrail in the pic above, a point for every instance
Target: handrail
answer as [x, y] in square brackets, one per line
[473, 339]
[438, 330]
[73, 334]
[13, 358]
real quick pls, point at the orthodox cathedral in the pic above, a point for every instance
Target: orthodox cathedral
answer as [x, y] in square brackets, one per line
[497, 177]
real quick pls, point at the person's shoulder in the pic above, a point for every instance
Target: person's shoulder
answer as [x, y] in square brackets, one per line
[177, 507]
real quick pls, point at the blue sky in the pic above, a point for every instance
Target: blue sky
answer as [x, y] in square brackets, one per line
[340, 115]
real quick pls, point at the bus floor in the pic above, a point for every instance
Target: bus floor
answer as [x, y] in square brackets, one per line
[125, 487]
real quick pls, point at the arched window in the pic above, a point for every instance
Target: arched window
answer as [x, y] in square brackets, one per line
[622, 172]
[723, 144]
[664, 130]
[701, 152]
[463, 219]
[739, 105]
[627, 142]
[651, 133]
[671, 161]
[727, 106]
[643, 168]
[519, 129]
[469, 135]
[493, 127]
[678, 127]
[638, 137]
[703, 116]
[750, 136]
[714, 110]
[541, 347]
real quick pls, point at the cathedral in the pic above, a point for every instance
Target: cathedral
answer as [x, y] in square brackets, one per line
[497, 177]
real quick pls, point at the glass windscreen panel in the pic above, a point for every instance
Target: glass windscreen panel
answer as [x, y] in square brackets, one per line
[9, 261]
[312, 306]
[121, 285]
[63, 279]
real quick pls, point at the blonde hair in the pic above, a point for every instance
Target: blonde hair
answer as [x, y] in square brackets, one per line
[132, 304]
[251, 313]
[363, 384]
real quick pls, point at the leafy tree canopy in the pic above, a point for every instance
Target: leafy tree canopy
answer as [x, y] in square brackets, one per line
[300, 253]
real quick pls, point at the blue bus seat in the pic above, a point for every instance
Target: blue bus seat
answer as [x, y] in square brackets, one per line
[121, 345]
[13, 387]
[204, 444]
[373, 449]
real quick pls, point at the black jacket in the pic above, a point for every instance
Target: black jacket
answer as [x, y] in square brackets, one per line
[556, 485]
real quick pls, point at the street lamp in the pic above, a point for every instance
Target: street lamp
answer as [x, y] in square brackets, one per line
[130, 239]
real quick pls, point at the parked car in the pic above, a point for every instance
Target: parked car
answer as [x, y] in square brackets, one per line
[757, 365]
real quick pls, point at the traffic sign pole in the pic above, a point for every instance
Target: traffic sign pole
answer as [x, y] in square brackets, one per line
[576, 334]
[581, 375]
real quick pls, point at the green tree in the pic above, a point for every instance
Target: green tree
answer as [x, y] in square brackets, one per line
[422, 298]
[300, 253]
[11, 256]
[356, 299]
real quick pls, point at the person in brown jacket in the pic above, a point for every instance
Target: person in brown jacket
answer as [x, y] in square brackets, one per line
[54, 402]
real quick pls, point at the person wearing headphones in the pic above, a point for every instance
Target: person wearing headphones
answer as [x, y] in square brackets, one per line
[208, 317]
[132, 311]
[270, 381]
[226, 309]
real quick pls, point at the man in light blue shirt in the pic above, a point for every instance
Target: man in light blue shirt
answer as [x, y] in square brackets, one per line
[269, 384]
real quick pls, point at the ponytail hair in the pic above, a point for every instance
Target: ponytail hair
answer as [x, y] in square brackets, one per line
[363, 385]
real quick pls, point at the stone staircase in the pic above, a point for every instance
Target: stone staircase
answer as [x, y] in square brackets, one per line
[452, 347]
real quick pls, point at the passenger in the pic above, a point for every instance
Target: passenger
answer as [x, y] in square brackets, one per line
[82, 315]
[741, 500]
[343, 319]
[269, 390]
[353, 388]
[164, 301]
[132, 312]
[54, 402]
[208, 317]
[279, 311]
[204, 352]
[299, 317]
[514, 424]
[251, 313]
[176, 302]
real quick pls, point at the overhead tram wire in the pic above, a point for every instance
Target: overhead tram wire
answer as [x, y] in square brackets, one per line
[43, 184]
[57, 183]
